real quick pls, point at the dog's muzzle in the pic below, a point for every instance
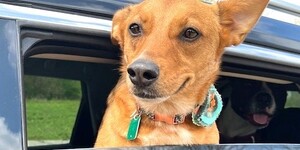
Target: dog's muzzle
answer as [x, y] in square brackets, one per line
[263, 109]
[264, 99]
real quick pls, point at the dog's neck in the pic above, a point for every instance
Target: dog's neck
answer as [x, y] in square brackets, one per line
[169, 107]
[231, 125]
[203, 114]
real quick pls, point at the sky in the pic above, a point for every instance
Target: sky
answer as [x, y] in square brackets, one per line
[9, 139]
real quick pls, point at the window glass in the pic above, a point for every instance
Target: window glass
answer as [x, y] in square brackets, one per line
[293, 2]
[51, 109]
[288, 16]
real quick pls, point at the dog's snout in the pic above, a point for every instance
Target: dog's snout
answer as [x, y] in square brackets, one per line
[265, 99]
[143, 72]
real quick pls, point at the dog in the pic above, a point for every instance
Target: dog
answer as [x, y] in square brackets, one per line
[171, 53]
[250, 107]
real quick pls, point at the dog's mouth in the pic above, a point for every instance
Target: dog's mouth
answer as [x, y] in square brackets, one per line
[145, 95]
[150, 93]
[259, 119]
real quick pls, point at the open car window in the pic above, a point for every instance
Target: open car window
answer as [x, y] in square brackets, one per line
[57, 46]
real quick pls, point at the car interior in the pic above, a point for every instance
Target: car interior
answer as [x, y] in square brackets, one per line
[286, 95]
[93, 61]
[90, 60]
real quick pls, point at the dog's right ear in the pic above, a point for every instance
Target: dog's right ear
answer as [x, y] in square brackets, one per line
[118, 25]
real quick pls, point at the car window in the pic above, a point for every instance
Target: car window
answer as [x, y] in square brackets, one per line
[293, 99]
[58, 81]
[51, 108]
[104, 8]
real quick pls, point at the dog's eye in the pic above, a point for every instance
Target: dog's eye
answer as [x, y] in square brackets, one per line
[190, 34]
[135, 29]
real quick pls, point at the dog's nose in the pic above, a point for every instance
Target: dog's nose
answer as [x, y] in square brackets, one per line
[143, 73]
[264, 99]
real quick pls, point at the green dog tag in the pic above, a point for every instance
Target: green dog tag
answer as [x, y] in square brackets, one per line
[133, 127]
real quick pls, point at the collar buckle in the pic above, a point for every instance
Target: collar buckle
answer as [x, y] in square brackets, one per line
[178, 119]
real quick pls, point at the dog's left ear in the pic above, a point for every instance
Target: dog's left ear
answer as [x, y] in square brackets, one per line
[119, 19]
[238, 17]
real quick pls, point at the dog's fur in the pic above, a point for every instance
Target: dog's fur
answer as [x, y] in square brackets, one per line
[187, 67]
[250, 105]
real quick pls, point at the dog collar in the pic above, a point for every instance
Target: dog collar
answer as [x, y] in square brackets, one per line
[207, 113]
[172, 120]
[203, 115]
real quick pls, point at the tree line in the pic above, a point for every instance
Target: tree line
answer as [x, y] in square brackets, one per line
[51, 88]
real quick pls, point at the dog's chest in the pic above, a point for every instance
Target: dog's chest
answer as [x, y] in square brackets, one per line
[231, 124]
[170, 135]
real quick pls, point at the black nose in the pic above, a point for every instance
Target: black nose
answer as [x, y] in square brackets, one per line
[143, 73]
[264, 99]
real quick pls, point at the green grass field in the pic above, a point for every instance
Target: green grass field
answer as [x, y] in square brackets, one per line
[50, 119]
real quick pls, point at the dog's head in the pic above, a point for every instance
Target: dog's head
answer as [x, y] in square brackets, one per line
[172, 48]
[256, 101]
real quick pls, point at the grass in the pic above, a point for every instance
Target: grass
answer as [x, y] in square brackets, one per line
[50, 119]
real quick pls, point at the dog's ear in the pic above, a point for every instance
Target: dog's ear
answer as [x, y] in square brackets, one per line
[118, 25]
[238, 17]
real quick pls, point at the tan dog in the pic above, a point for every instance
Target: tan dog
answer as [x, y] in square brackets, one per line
[171, 56]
